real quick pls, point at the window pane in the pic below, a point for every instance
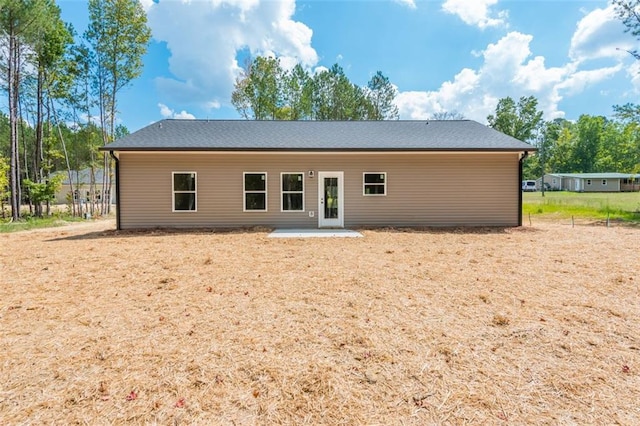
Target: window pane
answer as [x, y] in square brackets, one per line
[292, 202]
[184, 201]
[292, 182]
[374, 189]
[184, 182]
[255, 201]
[255, 182]
[330, 198]
[374, 178]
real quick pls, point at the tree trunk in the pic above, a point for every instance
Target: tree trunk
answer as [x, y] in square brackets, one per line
[14, 175]
[39, 154]
[66, 158]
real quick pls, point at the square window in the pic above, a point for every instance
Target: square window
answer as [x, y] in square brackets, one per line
[374, 183]
[184, 191]
[292, 191]
[255, 191]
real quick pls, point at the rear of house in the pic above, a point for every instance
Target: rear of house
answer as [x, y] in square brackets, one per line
[317, 174]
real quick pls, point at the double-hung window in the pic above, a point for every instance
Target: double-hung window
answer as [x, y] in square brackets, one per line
[292, 192]
[255, 191]
[184, 191]
[374, 183]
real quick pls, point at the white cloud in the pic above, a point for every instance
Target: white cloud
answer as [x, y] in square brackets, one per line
[600, 34]
[508, 69]
[167, 112]
[205, 36]
[476, 12]
[411, 4]
[633, 72]
[579, 80]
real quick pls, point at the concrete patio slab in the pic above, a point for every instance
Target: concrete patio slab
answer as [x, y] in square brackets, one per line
[314, 233]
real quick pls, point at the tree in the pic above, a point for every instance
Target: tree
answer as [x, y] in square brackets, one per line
[298, 94]
[561, 160]
[589, 136]
[117, 36]
[43, 192]
[49, 48]
[336, 98]
[381, 94]
[627, 113]
[628, 12]
[258, 91]
[20, 23]
[264, 91]
[521, 120]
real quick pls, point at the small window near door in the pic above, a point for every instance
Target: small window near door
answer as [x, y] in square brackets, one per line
[255, 191]
[292, 192]
[374, 183]
[588, 181]
[184, 191]
[604, 182]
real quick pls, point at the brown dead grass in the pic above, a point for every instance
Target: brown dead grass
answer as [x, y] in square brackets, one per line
[536, 325]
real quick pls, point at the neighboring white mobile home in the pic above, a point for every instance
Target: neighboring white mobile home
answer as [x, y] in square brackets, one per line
[592, 182]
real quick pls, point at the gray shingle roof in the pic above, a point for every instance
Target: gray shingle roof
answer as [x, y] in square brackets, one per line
[596, 175]
[233, 135]
[82, 176]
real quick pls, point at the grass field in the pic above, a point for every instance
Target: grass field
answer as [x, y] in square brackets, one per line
[624, 206]
[36, 223]
[554, 205]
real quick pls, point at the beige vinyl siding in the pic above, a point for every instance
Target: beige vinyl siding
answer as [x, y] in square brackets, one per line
[423, 189]
[613, 185]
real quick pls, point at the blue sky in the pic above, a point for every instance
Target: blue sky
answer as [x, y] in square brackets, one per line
[443, 55]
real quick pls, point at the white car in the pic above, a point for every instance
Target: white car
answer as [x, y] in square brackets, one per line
[529, 185]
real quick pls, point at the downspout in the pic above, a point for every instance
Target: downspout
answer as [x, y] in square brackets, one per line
[117, 172]
[524, 156]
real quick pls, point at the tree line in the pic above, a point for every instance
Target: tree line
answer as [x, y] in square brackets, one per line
[62, 91]
[265, 91]
[590, 144]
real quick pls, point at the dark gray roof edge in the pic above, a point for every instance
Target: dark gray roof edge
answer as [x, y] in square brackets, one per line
[243, 120]
[345, 150]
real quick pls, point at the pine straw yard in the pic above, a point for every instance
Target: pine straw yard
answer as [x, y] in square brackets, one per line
[536, 325]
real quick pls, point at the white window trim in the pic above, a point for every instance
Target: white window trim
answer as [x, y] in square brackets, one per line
[174, 192]
[245, 192]
[282, 192]
[604, 182]
[364, 184]
[589, 182]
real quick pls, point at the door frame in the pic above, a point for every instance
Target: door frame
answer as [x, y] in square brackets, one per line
[330, 223]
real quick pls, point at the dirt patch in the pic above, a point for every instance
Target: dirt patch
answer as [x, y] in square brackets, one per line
[527, 325]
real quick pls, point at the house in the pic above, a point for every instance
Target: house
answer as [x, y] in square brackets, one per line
[592, 182]
[317, 174]
[81, 183]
